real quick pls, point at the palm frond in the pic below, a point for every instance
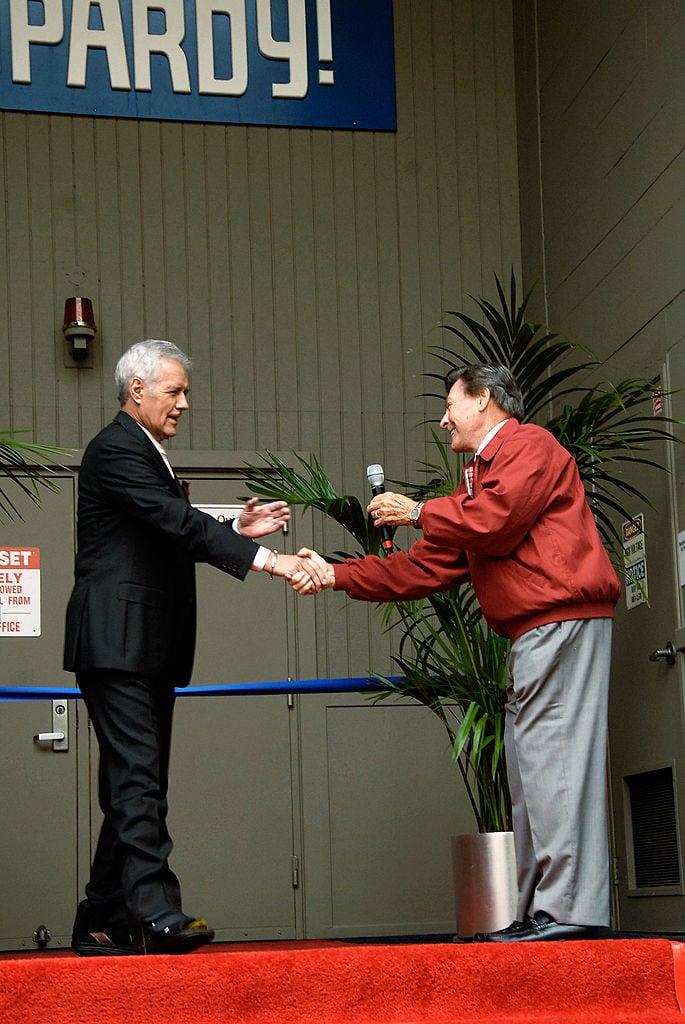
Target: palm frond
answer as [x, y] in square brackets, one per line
[452, 663]
[29, 467]
[310, 487]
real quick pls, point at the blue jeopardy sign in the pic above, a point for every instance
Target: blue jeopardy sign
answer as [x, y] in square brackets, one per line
[306, 63]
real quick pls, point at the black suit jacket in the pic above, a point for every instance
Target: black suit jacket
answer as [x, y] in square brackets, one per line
[133, 605]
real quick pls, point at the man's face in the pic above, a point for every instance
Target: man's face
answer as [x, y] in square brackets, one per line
[161, 405]
[464, 418]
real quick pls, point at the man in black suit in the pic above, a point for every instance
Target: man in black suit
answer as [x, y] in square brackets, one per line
[130, 639]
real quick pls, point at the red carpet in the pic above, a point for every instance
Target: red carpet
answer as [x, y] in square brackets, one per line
[603, 982]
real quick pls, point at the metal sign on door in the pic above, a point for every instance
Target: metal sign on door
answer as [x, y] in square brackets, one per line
[19, 592]
[635, 562]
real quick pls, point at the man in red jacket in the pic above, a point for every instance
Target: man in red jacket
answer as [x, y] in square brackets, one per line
[520, 529]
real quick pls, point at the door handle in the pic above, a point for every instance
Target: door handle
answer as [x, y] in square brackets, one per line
[59, 737]
[668, 653]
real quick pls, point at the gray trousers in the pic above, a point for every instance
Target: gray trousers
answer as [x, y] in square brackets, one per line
[556, 747]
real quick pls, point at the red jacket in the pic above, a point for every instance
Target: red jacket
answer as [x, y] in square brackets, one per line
[526, 540]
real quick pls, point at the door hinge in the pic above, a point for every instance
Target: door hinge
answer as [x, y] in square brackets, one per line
[295, 871]
[615, 872]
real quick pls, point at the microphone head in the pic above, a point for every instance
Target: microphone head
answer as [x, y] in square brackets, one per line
[375, 475]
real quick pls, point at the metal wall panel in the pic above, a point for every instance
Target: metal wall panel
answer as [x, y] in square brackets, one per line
[304, 271]
[611, 119]
[604, 83]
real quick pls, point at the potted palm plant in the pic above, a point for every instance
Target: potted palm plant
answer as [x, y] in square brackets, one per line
[448, 658]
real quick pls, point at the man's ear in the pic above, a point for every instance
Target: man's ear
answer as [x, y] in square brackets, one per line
[136, 389]
[484, 398]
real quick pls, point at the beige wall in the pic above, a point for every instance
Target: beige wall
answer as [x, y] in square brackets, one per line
[600, 91]
[607, 192]
[304, 271]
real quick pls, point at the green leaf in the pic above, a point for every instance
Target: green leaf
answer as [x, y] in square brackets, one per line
[29, 467]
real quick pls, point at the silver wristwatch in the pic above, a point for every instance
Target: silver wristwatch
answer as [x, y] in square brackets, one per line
[414, 514]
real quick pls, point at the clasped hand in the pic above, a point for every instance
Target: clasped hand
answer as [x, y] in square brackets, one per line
[306, 572]
[313, 573]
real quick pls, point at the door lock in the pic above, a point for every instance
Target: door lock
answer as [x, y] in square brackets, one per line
[668, 653]
[59, 737]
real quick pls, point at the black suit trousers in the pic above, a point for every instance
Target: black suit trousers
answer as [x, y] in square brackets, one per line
[132, 718]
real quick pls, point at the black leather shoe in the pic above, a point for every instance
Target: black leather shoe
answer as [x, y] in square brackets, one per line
[109, 943]
[511, 929]
[93, 936]
[178, 935]
[543, 928]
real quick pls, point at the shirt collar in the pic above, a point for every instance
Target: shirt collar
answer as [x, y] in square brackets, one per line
[154, 440]
[489, 436]
[160, 448]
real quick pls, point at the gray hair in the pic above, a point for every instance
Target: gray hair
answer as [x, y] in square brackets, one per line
[143, 360]
[498, 379]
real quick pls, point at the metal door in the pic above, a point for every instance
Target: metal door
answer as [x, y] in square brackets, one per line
[39, 793]
[647, 735]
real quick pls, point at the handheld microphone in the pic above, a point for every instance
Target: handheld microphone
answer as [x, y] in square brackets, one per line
[376, 477]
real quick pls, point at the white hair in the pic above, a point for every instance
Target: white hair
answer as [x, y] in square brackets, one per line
[143, 360]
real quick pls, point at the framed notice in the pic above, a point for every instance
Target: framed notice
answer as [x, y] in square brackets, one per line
[19, 592]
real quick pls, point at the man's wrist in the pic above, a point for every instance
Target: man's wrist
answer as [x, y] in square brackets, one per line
[261, 557]
[414, 514]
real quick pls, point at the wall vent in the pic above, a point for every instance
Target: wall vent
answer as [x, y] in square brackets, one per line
[655, 829]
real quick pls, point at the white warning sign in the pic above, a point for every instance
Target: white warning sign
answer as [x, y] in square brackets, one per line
[19, 592]
[635, 562]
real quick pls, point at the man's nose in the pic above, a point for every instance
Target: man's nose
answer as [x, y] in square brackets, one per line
[443, 422]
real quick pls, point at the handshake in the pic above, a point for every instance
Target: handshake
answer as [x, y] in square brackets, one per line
[306, 572]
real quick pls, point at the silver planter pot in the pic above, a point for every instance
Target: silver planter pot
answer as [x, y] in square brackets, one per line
[485, 885]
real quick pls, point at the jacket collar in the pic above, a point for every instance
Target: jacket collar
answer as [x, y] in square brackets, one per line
[137, 432]
[496, 442]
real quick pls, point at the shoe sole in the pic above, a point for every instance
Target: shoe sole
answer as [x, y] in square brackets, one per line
[99, 944]
[103, 950]
[181, 942]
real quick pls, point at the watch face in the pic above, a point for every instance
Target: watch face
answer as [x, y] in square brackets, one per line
[414, 514]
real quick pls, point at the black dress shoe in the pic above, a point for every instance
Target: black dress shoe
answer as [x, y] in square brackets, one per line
[109, 943]
[543, 928]
[94, 936]
[176, 935]
[511, 929]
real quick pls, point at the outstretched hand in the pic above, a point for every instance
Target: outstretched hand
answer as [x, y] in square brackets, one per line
[257, 520]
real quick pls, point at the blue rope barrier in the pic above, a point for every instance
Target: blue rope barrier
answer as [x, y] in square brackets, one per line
[360, 684]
